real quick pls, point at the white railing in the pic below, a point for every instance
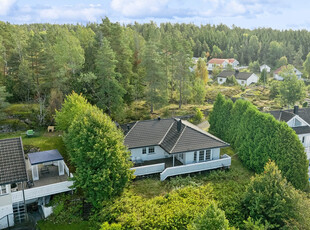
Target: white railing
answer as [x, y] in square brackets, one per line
[67, 169]
[148, 169]
[225, 161]
[36, 192]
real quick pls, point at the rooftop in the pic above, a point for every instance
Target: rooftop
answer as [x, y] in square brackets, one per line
[238, 75]
[12, 161]
[173, 135]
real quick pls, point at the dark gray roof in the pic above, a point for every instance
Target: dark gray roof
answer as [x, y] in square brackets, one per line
[301, 129]
[165, 133]
[286, 115]
[281, 115]
[12, 161]
[44, 156]
[147, 133]
[238, 75]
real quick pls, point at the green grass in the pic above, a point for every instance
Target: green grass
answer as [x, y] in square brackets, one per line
[47, 225]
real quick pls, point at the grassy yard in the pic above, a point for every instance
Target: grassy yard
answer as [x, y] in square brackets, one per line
[47, 225]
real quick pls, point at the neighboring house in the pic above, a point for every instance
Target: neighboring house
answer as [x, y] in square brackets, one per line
[173, 147]
[222, 63]
[266, 67]
[299, 120]
[243, 78]
[26, 179]
[277, 76]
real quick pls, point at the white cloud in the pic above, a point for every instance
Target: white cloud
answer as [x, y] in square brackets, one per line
[5, 6]
[79, 14]
[138, 8]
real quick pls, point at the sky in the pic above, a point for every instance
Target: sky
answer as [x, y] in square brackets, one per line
[277, 14]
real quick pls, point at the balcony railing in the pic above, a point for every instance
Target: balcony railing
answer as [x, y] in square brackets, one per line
[225, 161]
[149, 169]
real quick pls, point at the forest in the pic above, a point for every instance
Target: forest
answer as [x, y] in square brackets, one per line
[113, 65]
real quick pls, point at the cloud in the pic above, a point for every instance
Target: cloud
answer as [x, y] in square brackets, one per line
[6, 6]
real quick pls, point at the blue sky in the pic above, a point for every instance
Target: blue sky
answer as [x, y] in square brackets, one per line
[279, 14]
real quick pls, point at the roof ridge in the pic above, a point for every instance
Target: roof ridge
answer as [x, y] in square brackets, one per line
[178, 138]
[165, 134]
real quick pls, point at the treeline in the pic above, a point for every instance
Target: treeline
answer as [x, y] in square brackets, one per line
[259, 137]
[113, 65]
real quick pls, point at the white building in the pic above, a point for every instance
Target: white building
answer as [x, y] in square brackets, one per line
[223, 63]
[243, 78]
[173, 147]
[266, 67]
[299, 120]
[30, 179]
[278, 77]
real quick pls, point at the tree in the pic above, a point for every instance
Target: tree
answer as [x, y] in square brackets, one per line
[72, 106]
[3, 101]
[96, 149]
[263, 77]
[213, 218]
[216, 71]
[306, 65]
[216, 52]
[254, 66]
[109, 92]
[298, 57]
[156, 84]
[275, 51]
[291, 89]
[201, 70]
[272, 200]
[199, 91]
[282, 61]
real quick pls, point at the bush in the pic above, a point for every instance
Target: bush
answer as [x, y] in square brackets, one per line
[175, 210]
[198, 117]
[259, 137]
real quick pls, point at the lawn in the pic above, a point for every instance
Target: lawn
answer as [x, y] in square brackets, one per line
[47, 225]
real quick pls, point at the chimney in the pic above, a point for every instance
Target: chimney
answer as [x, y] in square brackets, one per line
[179, 125]
[128, 127]
[158, 118]
[296, 109]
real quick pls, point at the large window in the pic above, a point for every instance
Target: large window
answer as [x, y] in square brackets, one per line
[195, 156]
[201, 155]
[151, 150]
[3, 190]
[303, 140]
[144, 151]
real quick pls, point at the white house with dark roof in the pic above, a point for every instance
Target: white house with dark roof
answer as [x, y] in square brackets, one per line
[173, 147]
[243, 78]
[26, 179]
[299, 120]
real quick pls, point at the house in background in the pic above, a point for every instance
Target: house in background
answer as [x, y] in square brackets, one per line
[278, 77]
[299, 120]
[243, 78]
[173, 147]
[28, 179]
[222, 63]
[266, 67]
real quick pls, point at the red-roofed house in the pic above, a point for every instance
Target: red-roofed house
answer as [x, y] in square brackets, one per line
[222, 63]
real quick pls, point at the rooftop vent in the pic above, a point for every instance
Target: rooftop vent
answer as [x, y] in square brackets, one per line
[179, 125]
[296, 109]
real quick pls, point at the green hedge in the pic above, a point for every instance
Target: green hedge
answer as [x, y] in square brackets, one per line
[258, 137]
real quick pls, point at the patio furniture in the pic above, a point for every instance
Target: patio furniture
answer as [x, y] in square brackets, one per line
[30, 184]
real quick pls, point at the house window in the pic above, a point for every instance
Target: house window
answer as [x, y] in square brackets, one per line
[242, 82]
[201, 155]
[303, 139]
[220, 79]
[3, 190]
[144, 151]
[151, 150]
[195, 156]
[208, 154]
[181, 156]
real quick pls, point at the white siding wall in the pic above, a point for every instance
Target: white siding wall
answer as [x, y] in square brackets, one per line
[158, 154]
[189, 156]
[306, 139]
[215, 154]
[293, 122]
[221, 80]
[241, 82]
[277, 77]
[252, 79]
